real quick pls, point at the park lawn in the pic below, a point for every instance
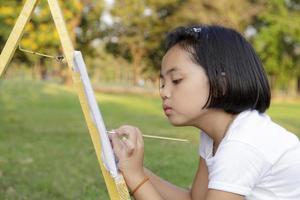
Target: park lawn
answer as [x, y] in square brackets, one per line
[46, 151]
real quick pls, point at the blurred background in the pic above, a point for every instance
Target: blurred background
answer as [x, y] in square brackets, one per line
[45, 150]
[122, 41]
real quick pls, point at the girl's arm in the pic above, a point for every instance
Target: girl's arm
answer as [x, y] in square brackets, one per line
[167, 190]
[200, 185]
[159, 189]
[172, 192]
[217, 194]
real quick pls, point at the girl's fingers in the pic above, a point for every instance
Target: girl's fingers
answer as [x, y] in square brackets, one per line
[140, 140]
[117, 145]
[129, 147]
[129, 132]
[126, 140]
[130, 138]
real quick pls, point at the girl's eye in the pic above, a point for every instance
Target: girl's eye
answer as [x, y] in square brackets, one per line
[176, 81]
[161, 84]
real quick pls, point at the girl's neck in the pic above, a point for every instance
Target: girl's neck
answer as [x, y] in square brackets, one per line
[215, 124]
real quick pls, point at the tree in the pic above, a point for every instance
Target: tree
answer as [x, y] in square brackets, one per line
[140, 26]
[278, 41]
[40, 33]
[89, 28]
[9, 12]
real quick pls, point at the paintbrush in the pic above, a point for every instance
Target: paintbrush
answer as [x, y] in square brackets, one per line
[159, 137]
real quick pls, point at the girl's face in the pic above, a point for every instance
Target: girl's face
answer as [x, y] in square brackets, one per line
[184, 88]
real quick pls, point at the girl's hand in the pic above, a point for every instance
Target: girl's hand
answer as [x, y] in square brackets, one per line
[128, 146]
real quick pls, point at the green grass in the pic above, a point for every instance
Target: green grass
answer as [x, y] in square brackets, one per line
[46, 151]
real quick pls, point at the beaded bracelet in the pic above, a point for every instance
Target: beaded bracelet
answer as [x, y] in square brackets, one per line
[139, 185]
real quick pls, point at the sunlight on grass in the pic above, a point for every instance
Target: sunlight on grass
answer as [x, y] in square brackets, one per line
[46, 151]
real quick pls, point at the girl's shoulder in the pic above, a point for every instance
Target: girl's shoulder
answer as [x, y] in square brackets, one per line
[259, 131]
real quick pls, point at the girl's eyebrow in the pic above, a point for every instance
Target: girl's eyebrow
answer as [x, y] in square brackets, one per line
[169, 71]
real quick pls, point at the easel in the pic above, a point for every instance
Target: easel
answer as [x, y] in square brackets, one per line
[117, 189]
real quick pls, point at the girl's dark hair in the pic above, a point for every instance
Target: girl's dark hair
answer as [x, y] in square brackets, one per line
[236, 76]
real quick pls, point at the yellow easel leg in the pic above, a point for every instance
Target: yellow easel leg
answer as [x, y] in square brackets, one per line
[16, 34]
[117, 191]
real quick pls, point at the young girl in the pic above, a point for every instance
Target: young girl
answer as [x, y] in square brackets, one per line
[212, 79]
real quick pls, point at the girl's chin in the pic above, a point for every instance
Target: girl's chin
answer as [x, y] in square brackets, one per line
[177, 123]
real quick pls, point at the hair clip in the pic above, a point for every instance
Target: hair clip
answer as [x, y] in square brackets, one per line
[196, 30]
[192, 30]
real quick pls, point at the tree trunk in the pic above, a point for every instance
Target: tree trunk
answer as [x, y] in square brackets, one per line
[44, 73]
[39, 70]
[117, 77]
[137, 55]
[298, 85]
[36, 71]
[67, 77]
[272, 82]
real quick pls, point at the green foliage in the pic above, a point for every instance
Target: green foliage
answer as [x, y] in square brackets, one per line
[134, 42]
[140, 26]
[9, 12]
[106, 68]
[89, 27]
[40, 34]
[233, 13]
[278, 41]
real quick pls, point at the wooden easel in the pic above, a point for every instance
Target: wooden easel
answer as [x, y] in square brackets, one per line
[117, 189]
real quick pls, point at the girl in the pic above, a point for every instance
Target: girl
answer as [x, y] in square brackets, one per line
[212, 79]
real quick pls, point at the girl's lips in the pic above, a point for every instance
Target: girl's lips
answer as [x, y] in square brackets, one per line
[167, 110]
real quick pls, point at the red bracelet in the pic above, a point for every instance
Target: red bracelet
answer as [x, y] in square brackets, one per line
[139, 185]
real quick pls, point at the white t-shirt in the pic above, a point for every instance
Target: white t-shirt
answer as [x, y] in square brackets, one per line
[257, 159]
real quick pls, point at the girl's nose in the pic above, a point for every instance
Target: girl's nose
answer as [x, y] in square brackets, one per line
[165, 93]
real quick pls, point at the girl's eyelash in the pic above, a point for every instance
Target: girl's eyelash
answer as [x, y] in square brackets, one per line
[176, 81]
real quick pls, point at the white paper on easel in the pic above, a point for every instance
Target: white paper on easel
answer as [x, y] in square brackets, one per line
[107, 152]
